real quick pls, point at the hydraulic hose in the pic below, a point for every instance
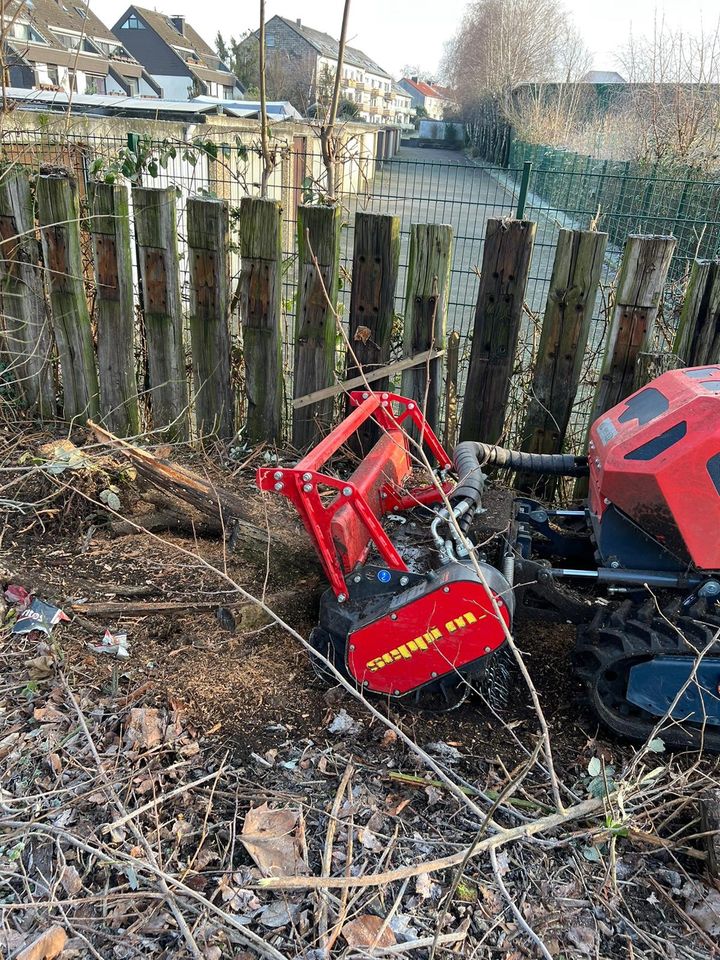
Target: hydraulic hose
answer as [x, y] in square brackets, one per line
[471, 456]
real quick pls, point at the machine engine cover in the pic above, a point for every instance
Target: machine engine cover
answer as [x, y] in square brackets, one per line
[656, 458]
[438, 626]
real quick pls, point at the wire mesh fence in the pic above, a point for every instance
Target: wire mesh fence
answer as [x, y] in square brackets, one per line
[419, 186]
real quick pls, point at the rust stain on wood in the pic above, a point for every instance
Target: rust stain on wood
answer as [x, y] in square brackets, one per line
[205, 271]
[107, 268]
[58, 266]
[156, 283]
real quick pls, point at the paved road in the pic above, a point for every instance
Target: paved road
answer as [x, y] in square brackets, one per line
[439, 186]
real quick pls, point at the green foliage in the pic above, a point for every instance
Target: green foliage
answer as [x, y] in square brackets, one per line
[145, 157]
[241, 57]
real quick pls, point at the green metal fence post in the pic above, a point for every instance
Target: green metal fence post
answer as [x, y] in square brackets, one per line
[522, 196]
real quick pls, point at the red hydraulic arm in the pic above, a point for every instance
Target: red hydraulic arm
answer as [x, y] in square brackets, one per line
[344, 525]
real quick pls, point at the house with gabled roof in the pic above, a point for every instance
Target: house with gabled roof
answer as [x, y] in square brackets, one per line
[435, 100]
[310, 58]
[60, 45]
[176, 56]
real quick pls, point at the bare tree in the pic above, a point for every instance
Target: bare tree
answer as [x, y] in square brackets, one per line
[673, 104]
[329, 142]
[267, 156]
[503, 43]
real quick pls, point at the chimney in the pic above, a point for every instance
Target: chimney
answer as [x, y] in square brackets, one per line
[414, 79]
[179, 23]
[298, 22]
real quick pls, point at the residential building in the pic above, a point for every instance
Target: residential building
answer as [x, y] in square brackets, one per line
[434, 100]
[307, 60]
[62, 46]
[602, 76]
[176, 56]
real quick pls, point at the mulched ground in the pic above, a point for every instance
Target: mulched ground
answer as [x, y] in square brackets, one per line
[238, 704]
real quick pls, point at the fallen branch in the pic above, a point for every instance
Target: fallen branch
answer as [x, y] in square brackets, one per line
[218, 503]
[579, 811]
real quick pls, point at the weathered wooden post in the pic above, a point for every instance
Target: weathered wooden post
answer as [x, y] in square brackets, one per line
[426, 304]
[638, 295]
[208, 233]
[58, 212]
[315, 326]
[505, 267]
[563, 341]
[23, 299]
[114, 307]
[697, 341]
[156, 234]
[376, 256]
[451, 390]
[260, 236]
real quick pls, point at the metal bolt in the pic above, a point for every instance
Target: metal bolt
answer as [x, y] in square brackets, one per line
[365, 396]
[279, 486]
[366, 683]
[597, 462]
[278, 475]
[341, 598]
[307, 487]
[347, 491]
[384, 396]
[383, 495]
[396, 692]
[591, 445]
[357, 579]
[352, 647]
[411, 406]
[393, 616]
[404, 581]
[307, 476]
[606, 501]
[488, 649]
[446, 589]
[434, 674]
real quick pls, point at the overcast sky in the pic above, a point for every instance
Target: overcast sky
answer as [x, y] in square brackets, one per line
[398, 32]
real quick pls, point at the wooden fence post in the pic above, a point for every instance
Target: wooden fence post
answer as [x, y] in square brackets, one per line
[260, 234]
[59, 218]
[156, 234]
[23, 298]
[426, 305]
[505, 266]
[451, 390]
[208, 233]
[114, 307]
[376, 256]
[697, 341]
[563, 341]
[638, 294]
[315, 327]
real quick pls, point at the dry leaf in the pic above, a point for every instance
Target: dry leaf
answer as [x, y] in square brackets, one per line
[48, 715]
[48, 945]
[70, 879]
[364, 931]
[270, 837]
[362, 334]
[144, 728]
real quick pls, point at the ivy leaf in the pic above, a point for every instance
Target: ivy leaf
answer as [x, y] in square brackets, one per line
[594, 768]
[657, 745]
[592, 854]
[152, 168]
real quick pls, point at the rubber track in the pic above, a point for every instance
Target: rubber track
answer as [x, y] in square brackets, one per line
[622, 636]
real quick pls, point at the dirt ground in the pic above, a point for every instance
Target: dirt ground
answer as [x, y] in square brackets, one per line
[246, 691]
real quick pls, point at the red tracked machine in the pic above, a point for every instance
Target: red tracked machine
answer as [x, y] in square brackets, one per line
[411, 615]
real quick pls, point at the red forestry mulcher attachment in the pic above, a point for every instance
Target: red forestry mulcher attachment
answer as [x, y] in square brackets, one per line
[418, 611]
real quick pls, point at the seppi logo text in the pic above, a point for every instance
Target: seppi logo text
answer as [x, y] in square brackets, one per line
[406, 650]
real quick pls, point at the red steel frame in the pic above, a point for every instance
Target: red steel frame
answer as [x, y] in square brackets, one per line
[301, 483]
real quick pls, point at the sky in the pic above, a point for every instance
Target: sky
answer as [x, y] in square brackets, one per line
[399, 32]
